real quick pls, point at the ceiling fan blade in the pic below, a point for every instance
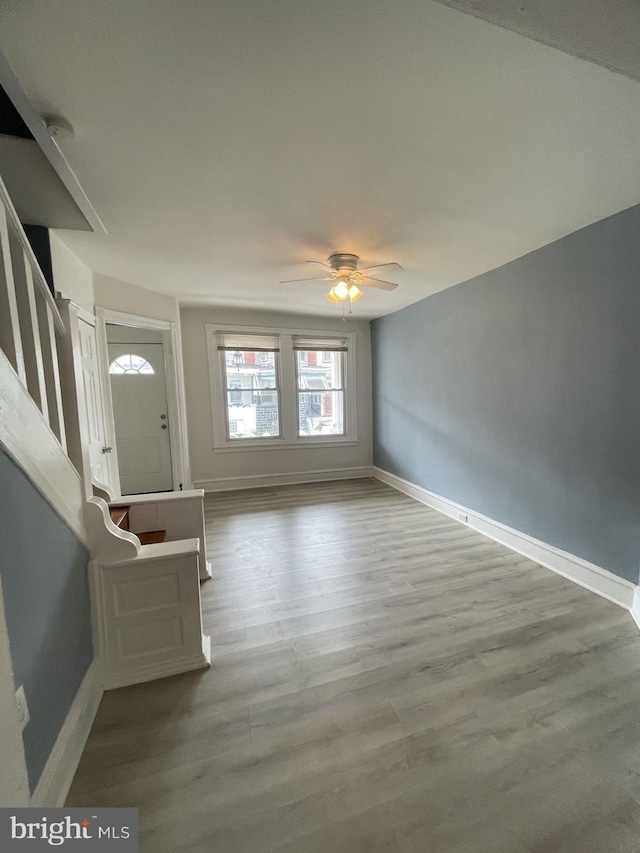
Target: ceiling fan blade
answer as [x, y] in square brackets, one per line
[315, 278]
[319, 264]
[378, 266]
[379, 283]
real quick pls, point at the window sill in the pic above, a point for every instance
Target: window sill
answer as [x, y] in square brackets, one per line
[241, 446]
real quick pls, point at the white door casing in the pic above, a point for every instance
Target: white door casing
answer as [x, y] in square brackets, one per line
[176, 400]
[141, 420]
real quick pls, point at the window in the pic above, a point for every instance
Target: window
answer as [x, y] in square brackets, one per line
[281, 388]
[130, 363]
[251, 386]
[320, 367]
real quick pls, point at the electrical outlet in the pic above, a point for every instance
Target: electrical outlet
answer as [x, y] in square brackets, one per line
[463, 517]
[21, 705]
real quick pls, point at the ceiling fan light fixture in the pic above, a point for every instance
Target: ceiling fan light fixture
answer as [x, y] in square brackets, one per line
[341, 288]
[347, 278]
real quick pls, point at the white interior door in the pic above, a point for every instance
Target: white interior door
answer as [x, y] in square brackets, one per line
[139, 395]
[93, 408]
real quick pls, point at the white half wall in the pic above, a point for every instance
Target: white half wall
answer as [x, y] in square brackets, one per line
[211, 470]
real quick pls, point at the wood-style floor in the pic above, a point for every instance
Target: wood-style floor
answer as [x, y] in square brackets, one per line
[384, 679]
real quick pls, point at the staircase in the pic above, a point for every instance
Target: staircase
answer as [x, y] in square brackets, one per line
[147, 551]
[36, 417]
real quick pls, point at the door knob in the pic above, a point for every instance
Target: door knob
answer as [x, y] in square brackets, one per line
[107, 449]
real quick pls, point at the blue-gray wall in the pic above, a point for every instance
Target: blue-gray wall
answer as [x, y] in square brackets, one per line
[517, 393]
[44, 579]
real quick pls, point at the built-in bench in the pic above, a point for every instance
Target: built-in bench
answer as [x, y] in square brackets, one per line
[149, 558]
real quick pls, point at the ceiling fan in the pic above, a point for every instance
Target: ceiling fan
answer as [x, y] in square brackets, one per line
[342, 269]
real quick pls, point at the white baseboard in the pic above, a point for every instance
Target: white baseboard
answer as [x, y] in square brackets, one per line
[256, 481]
[594, 578]
[151, 673]
[57, 776]
[635, 607]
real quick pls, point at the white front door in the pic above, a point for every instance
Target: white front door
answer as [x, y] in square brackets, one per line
[93, 408]
[139, 394]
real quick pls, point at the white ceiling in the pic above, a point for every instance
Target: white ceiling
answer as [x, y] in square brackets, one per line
[223, 142]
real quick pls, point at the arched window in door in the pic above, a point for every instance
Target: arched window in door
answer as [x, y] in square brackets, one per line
[130, 363]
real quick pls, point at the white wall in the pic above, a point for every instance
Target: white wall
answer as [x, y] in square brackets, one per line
[72, 278]
[133, 335]
[131, 299]
[605, 33]
[207, 467]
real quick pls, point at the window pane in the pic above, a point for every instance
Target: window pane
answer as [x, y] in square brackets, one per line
[320, 394]
[131, 364]
[252, 418]
[252, 394]
[320, 413]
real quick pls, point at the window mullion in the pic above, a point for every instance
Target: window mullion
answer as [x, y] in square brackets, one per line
[288, 389]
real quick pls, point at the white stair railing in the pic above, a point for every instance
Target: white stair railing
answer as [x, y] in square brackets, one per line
[30, 322]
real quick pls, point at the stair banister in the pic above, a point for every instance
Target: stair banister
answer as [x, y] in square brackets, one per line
[38, 276]
[29, 320]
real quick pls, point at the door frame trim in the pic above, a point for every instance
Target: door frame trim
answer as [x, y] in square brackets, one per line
[176, 401]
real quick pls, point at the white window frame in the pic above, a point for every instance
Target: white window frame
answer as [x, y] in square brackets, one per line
[319, 392]
[224, 376]
[289, 438]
